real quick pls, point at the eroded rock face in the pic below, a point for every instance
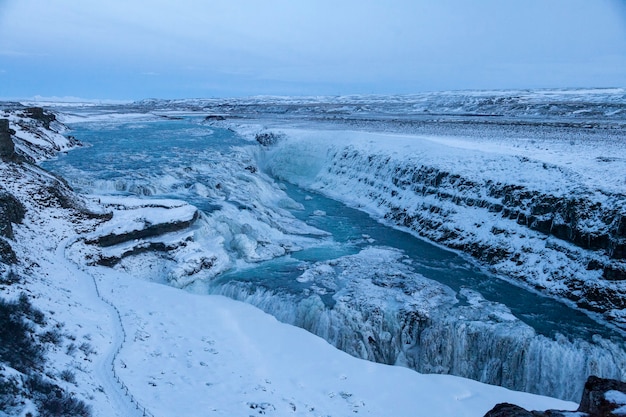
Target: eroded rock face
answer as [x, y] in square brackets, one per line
[601, 398]
[11, 211]
[133, 227]
[7, 255]
[595, 400]
[584, 231]
[150, 230]
[38, 113]
[575, 219]
[7, 148]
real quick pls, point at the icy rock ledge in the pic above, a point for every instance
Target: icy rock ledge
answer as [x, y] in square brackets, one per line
[601, 398]
[135, 219]
[142, 234]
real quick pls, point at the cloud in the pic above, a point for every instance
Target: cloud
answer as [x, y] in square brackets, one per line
[319, 43]
[20, 54]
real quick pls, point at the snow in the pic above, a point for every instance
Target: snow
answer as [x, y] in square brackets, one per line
[65, 294]
[100, 115]
[564, 103]
[193, 353]
[186, 354]
[68, 101]
[573, 168]
[619, 398]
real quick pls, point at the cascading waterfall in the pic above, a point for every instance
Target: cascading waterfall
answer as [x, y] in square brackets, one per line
[479, 343]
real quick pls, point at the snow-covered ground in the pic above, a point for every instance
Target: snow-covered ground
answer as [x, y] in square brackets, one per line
[185, 354]
[194, 354]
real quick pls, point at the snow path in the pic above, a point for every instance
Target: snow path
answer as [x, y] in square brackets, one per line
[121, 399]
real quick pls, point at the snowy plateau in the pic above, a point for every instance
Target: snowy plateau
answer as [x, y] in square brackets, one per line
[217, 281]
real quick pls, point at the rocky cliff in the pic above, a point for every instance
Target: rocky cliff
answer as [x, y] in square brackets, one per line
[32, 133]
[594, 230]
[31, 381]
[7, 148]
[546, 225]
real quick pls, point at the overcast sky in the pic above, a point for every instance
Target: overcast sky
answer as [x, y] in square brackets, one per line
[132, 49]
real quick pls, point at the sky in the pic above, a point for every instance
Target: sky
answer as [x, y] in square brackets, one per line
[134, 49]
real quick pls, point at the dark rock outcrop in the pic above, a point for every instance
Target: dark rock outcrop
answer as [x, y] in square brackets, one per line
[594, 402]
[11, 211]
[7, 148]
[38, 113]
[267, 138]
[512, 410]
[508, 410]
[56, 194]
[136, 250]
[7, 255]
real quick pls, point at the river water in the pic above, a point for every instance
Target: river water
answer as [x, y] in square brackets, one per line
[374, 291]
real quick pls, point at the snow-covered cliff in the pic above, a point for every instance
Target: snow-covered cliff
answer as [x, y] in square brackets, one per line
[551, 215]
